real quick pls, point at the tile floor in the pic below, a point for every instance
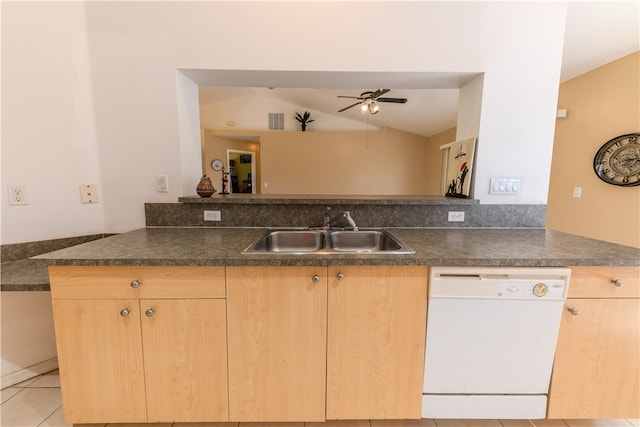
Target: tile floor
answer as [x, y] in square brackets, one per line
[37, 402]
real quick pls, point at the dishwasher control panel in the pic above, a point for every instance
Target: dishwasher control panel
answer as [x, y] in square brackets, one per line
[535, 289]
[539, 283]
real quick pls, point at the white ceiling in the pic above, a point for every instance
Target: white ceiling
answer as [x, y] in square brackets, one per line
[597, 32]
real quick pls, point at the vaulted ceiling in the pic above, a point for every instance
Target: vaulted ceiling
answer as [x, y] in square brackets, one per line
[597, 32]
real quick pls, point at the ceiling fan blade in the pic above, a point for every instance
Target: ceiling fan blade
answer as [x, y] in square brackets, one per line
[350, 106]
[352, 97]
[395, 100]
[379, 92]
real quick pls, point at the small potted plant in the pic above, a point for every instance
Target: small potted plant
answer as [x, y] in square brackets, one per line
[303, 119]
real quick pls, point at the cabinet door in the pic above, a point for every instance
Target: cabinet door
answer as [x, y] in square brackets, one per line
[277, 343]
[185, 359]
[376, 335]
[100, 360]
[596, 370]
[600, 282]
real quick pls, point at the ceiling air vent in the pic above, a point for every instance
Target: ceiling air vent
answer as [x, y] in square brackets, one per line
[276, 121]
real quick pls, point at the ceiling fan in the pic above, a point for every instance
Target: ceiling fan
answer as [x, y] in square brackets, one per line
[368, 100]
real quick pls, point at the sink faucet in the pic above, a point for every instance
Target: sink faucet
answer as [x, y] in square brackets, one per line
[352, 223]
[327, 221]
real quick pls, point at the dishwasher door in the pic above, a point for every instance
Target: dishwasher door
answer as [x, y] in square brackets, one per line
[491, 339]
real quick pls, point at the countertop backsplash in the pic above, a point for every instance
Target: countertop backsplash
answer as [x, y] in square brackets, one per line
[283, 211]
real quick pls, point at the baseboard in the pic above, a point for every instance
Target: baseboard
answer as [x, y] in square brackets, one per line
[30, 372]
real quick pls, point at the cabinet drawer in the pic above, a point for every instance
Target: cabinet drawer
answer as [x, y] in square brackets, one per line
[75, 282]
[598, 282]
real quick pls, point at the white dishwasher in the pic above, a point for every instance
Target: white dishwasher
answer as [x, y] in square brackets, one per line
[491, 340]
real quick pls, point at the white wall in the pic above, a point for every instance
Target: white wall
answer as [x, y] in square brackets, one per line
[49, 138]
[28, 339]
[90, 93]
[191, 144]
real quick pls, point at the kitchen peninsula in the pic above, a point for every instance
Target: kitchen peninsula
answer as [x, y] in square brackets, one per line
[175, 323]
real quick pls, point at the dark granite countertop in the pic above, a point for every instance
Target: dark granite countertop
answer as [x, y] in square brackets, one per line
[197, 246]
[223, 246]
[24, 275]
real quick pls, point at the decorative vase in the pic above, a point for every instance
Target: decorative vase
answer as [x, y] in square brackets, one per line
[205, 187]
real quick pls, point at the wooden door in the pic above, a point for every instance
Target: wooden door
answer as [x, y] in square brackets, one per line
[277, 343]
[376, 336]
[596, 371]
[185, 358]
[100, 360]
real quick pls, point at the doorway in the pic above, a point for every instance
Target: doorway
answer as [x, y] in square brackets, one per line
[242, 171]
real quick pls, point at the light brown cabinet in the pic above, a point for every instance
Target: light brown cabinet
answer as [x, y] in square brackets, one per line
[376, 336]
[141, 344]
[277, 322]
[185, 360]
[149, 344]
[100, 361]
[596, 372]
[289, 336]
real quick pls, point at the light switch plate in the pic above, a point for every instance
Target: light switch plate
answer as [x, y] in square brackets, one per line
[577, 192]
[162, 183]
[504, 186]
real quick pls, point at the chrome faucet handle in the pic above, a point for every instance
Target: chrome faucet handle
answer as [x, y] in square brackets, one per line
[352, 223]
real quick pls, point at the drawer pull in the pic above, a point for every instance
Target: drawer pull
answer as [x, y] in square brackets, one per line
[150, 312]
[574, 311]
[135, 283]
[315, 278]
[340, 276]
[618, 282]
[124, 312]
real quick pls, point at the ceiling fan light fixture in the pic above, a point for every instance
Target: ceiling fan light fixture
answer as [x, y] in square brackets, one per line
[368, 101]
[369, 106]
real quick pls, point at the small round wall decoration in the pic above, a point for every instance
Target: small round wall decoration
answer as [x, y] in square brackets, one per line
[216, 164]
[617, 162]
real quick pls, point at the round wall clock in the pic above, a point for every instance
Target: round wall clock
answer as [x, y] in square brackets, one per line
[617, 162]
[216, 165]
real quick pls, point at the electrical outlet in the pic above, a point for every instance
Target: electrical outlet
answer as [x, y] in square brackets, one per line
[456, 216]
[212, 216]
[17, 195]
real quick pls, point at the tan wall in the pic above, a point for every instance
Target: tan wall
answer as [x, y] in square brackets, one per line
[215, 147]
[433, 163]
[601, 104]
[343, 162]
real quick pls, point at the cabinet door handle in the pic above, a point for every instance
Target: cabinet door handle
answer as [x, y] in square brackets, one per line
[150, 312]
[617, 282]
[315, 278]
[135, 283]
[339, 276]
[574, 311]
[125, 312]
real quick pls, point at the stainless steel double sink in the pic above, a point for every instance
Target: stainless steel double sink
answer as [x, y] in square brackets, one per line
[369, 241]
